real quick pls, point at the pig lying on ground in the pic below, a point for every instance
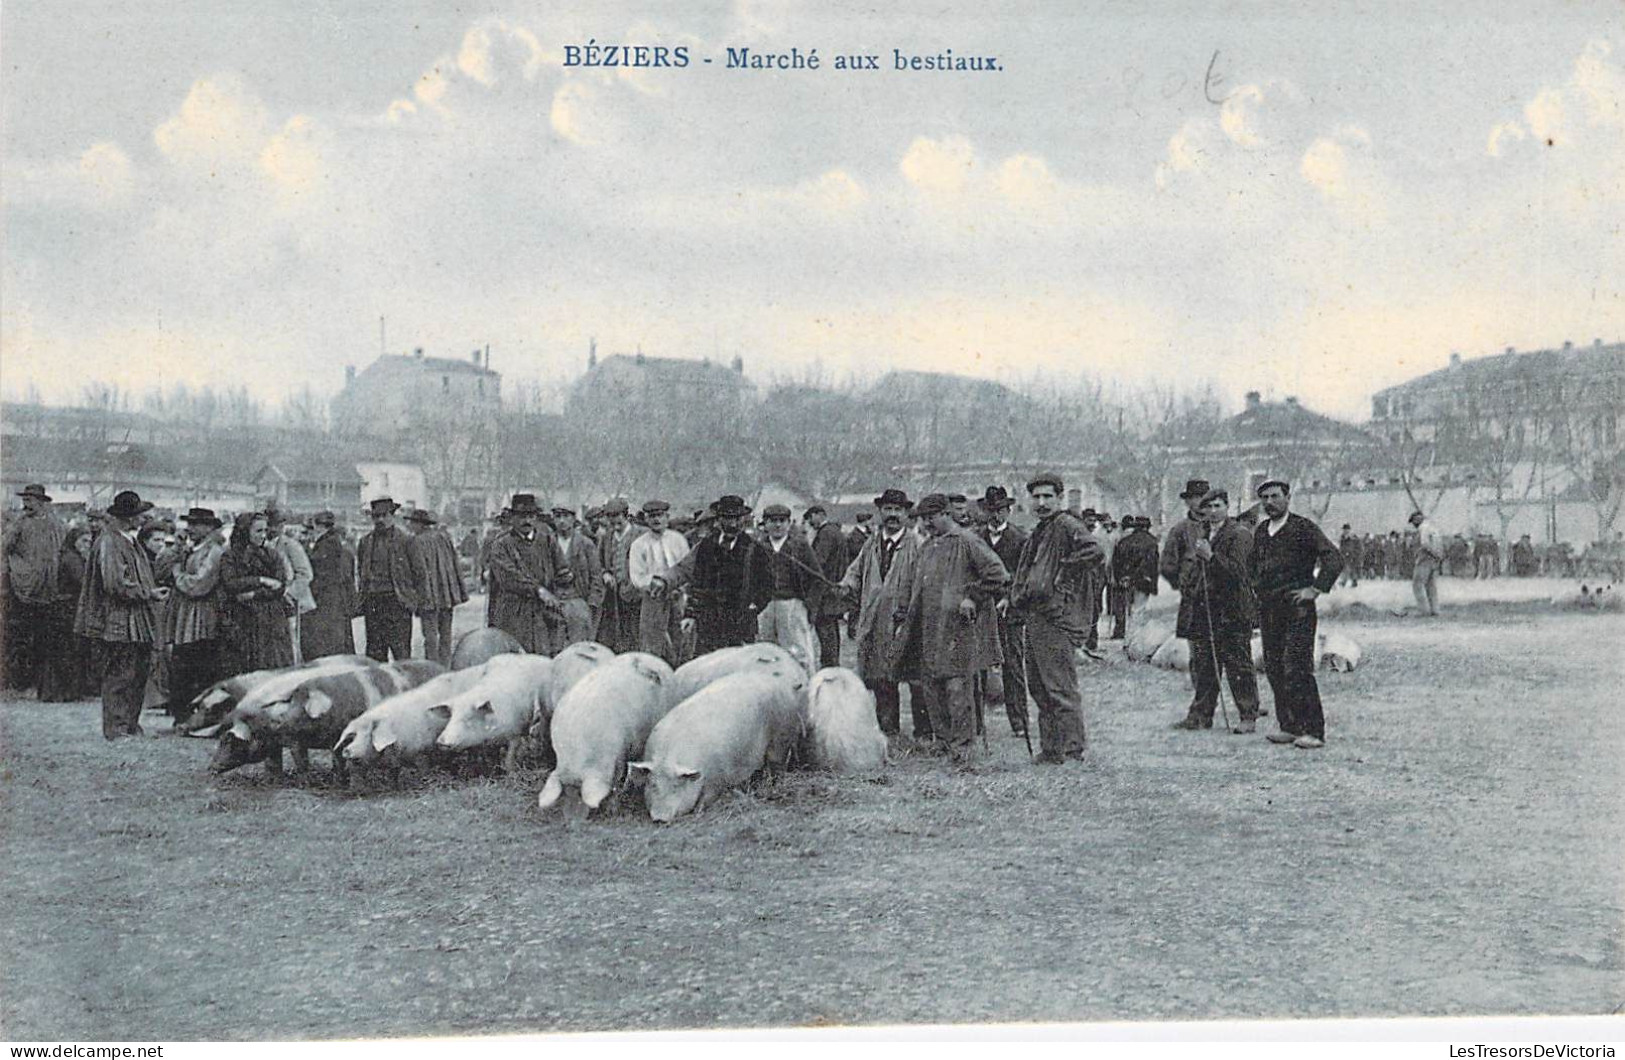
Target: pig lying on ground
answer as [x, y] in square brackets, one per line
[405, 725]
[1175, 654]
[477, 646]
[843, 733]
[1144, 640]
[212, 705]
[312, 714]
[1338, 651]
[712, 666]
[718, 738]
[499, 708]
[600, 724]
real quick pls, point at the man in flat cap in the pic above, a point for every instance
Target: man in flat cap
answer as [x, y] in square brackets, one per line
[1352, 547]
[327, 630]
[716, 576]
[824, 602]
[1217, 611]
[384, 571]
[947, 630]
[583, 598]
[32, 547]
[649, 562]
[1050, 577]
[1006, 541]
[618, 620]
[438, 581]
[880, 577]
[783, 573]
[1291, 564]
[117, 608]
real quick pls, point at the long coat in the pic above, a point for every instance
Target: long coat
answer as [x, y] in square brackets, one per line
[296, 562]
[878, 601]
[1229, 588]
[116, 600]
[253, 622]
[1009, 547]
[195, 607]
[937, 641]
[520, 568]
[385, 554]
[328, 630]
[32, 547]
[587, 573]
[437, 580]
[829, 545]
[718, 582]
[1134, 562]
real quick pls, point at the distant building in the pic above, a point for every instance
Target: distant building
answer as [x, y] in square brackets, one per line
[628, 384]
[395, 392]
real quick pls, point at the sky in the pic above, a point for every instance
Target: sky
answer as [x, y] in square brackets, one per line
[1308, 200]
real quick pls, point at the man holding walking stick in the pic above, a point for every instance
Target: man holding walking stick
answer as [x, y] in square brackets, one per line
[1216, 614]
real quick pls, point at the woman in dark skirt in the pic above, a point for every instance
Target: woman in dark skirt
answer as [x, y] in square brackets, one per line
[67, 675]
[254, 624]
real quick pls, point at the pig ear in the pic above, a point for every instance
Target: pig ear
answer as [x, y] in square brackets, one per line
[242, 731]
[442, 710]
[382, 739]
[207, 731]
[686, 773]
[484, 708]
[639, 767]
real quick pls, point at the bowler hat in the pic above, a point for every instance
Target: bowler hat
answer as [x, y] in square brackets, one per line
[931, 504]
[729, 506]
[819, 508]
[893, 496]
[655, 507]
[1046, 478]
[36, 491]
[1262, 486]
[864, 517]
[200, 516]
[1194, 488]
[1088, 514]
[422, 515]
[994, 499]
[775, 511]
[524, 504]
[383, 504]
[127, 505]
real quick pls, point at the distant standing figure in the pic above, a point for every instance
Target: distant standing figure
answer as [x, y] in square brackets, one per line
[649, 562]
[583, 598]
[384, 570]
[437, 583]
[33, 549]
[1353, 550]
[1217, 611]
[783, 574]
[1429, 558]
[1006, 541]
[296, 564]
[528, 569]
[829, 547]
[195, 613]
[328, 629]
[618, 620]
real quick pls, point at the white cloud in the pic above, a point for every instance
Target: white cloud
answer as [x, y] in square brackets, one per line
[1544, 114]
[219, 125]
[1235, 116]
[939, 167]
[1501, 135]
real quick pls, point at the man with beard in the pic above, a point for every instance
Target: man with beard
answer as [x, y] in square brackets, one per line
[1291, 564]
[529, 570]
[1049, 578]
[583, 598]
[1006, 541]
[1133, 571]
[327, 630]
[649, 562]
[384, 570]
[1216, 614]
[946, 628]
[783, 572]
[618, 621]
[32, 546]
[716, 574]
[825, 604]
[879, 577]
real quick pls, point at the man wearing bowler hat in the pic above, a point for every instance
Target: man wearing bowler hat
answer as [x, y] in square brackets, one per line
[32, 546]
[384, 570]
[880, 576]
[1134, 570]
[529, 571]
[116, 608]
[1006, 542]
[649, 564]
[328, 630]
[437, 583]
[716, 575]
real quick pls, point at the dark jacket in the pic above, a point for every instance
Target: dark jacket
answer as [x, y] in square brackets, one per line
[437, 580]
[1220, 588]
[1296, 558]
[1009, 547]
[787, 574]
[327, 629]
[1135, 562]
[384, 556]
[829, 547]
[936, 640]
[253, 622]
[117, 598]
[587, 573]
[519, 568]
[1052, 573]
[1176, 547]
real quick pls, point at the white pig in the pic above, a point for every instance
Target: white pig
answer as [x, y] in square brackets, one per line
[842, 729]
[601, 723]
[718, 738]
[404, 725]
[1338, 651]
[571, 665]
[499, 708]
[712, 666]
[1175, 654]
[1144, 641]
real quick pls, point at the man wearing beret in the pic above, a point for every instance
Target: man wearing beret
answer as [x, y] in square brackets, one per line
[1006, 541]
[947, 631]
[880, 576]
[32, 547]
[1292, 563]
[384, 570]
[1216, 615]
[649, 562]
[1049, 580]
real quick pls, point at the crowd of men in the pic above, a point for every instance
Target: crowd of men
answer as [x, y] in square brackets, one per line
[1477, 555]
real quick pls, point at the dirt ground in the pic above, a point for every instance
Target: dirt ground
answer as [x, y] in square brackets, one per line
[1457, 848]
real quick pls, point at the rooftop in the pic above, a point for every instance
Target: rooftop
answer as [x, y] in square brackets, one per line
[1510, 364]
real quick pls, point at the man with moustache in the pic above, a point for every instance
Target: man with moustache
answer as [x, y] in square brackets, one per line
[116, 609]
[649, 562]
[1291, 564]
[529, 570]
[783, 572]
[618, 621]
[880, 577]
[1006, 542]
[582, 599]
[1216, 615]
[716, 575]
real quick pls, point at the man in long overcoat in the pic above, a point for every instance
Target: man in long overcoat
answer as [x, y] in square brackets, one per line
[437, 583]
[1217, 612]
[195, 613]
[116, 606]
[716, 573]
[948, 631]
[388, 596]
[881, 576]
[1134, 571]
[1006, 539]
[618, 621]
[529, 570]
[649, 563]
[327, 629]
[825, 605]
[32, 547]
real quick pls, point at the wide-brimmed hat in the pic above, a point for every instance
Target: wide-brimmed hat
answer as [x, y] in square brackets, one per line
[729, 506]
[36, 491]
[524, 504]
[199, 516]
[994, 499]
[1047, 478]
[127, 505]
[897, 497]
[422, 515]
[382, 504]
[931, 504]
[1194, 488]
[1262, 486]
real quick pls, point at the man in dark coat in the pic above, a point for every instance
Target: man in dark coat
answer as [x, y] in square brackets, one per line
[1049, 578]
[116, 606]
[948, 632]
[1183, 535]
[529, 569]
[1006, 541]
[860, 533]
[716, 574]
[437, 583]
[388, 596]
[829, 548]
[879, 579]
[783, 574]
[1133, 571]
[618, 621]
[583, 598]
[1353, 550]
[328, 630]
[32, 547]
[1291, 564]
[1216, 615]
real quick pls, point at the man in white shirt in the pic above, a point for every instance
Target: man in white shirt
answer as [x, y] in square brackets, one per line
[1429, 558]
[649, 564]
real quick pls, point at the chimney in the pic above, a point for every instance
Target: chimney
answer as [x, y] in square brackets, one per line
[1511, 350]
[475, 357]
[1292, 402]
[638, 358]
[739, 365]
[1455, 359]
[1567, 345]
[417, 351]
[592, 354]
[349, 374]
[1253, 399]
[1596, 344]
